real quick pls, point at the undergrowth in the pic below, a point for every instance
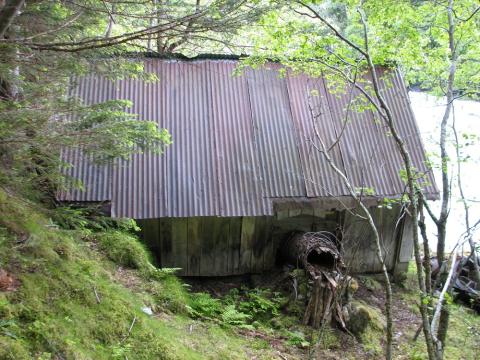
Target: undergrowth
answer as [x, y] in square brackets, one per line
[242, 308]
[463, 338]
[124, 250]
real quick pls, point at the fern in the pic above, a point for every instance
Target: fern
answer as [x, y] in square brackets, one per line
[232, 317]
[203, 305]
[261, 304]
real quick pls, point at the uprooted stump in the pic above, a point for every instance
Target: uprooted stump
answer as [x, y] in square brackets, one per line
[318, 253]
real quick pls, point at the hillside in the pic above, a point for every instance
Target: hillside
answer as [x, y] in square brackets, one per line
[61, 297]
[93, 294]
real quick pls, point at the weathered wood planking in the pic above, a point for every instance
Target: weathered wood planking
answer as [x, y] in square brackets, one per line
[220, 250]
[406, 236]
[269, 253]
[194, 230]
[235, 241]
[149, 237]
[155, 242]
[214, 246]
[259, 240]
[207, 245]
[180, 244]
[165, 240]
[359, 244]
[246, 243]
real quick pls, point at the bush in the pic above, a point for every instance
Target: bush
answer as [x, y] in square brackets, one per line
[297, 338]
[125, 250]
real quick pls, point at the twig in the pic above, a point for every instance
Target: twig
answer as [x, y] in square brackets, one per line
[130, 328]
[441, 299]
[96, 294]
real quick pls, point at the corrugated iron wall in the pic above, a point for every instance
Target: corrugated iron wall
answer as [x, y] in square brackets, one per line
[96, 179]
[241, 143]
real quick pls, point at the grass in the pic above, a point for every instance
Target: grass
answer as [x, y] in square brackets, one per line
[124, 250]
[69, 303]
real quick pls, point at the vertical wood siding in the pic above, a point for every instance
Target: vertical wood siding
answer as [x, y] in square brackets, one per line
[221, 246]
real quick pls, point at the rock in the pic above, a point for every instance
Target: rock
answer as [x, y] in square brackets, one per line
[371, 283]
[147, 310]
[361, 317]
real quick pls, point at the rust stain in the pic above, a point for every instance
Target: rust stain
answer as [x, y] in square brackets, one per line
[241, 143]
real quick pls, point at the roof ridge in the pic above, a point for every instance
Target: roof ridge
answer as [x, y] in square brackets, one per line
[180, 56]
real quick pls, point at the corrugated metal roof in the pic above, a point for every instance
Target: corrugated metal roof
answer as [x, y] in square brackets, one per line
[240, 143]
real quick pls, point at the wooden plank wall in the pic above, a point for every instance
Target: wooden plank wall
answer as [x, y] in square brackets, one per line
[216, 246]
[211, 246]
[359, 244]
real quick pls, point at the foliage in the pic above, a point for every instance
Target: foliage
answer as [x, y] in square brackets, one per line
[203, 305]
[408, 34]
[262, 304]
[240, 308]
[297, 338]
[51, 45]
[232, 317]
[88, 218]
[463, 332]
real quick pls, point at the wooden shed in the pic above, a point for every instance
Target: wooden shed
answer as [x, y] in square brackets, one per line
[219, 246]
[243, 171]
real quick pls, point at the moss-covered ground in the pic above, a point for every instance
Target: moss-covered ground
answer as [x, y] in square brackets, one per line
[463, 341]
[77, 292]
[68, 301]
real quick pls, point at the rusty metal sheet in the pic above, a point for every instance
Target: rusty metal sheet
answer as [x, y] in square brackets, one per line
[183, 181]
[240, 144]
[237, 158]
[312, 119]
[397, 97]
[277, 145]
[369, 155]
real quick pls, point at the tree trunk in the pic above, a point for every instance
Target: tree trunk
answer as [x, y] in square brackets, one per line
[8, 13]
[426, 249]
[444, 315]
[319, 255]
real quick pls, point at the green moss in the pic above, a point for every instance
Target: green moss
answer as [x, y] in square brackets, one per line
[124, 250]
[370, 283]
[329, 339]
[367, 324]
[70, 303]
[13, 349]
